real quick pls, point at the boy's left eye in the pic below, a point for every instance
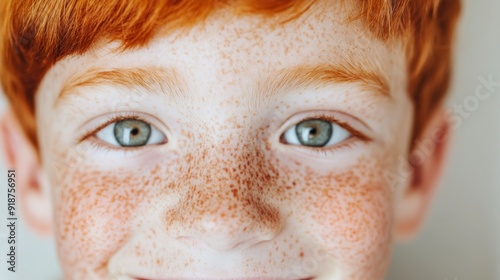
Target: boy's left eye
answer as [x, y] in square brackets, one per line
[131, 133]
[315, 133]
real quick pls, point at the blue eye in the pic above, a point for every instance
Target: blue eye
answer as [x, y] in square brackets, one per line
[315, 133]
[131, 133]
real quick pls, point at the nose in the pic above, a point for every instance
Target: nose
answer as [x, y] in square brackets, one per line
[225, 206]
[227, 224]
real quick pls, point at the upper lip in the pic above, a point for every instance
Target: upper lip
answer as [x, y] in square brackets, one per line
[252, 278]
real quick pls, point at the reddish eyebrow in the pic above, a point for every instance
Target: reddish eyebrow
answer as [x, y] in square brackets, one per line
[156, 80]
[152, 79]
[302, 77]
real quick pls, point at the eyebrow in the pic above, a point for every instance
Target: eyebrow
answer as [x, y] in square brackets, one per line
[372, 81]
[152, 79]
[168, 81]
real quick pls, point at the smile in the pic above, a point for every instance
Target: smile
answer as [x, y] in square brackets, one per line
[255, 278]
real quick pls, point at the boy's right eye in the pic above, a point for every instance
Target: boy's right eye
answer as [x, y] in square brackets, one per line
[131, 133]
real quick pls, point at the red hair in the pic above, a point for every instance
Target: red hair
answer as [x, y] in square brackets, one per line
[35, 34]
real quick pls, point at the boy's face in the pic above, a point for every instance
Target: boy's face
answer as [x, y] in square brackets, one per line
[255, 150]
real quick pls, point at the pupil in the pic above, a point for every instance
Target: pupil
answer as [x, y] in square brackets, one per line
[132, 133]
[314, 132]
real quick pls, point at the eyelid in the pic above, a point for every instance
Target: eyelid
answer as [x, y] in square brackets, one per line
[346, 121]
[339, 118]
[116, 117]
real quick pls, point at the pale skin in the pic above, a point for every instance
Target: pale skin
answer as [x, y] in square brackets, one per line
[223, 191]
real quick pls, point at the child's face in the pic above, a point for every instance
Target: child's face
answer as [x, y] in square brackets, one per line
[264, 154]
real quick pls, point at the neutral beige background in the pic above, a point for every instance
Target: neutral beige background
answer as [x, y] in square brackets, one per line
[461, 239]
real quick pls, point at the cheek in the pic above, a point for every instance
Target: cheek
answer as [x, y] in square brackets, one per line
[349, 213]
[94, 212]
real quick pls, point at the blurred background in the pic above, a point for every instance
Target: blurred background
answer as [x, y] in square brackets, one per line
[461, 237]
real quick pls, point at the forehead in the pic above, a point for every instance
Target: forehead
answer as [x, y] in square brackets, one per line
[234, 49]
[324, 30]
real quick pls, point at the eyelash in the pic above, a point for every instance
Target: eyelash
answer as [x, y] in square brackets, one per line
[329, 151]
[126, 116]
[325, 152]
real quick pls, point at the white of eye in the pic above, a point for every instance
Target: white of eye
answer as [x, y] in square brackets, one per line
[339, 135]
[108, 136]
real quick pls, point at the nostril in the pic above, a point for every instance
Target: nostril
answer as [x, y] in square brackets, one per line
[191, 242]
[247, 243]
[220, 244]
[213, 225]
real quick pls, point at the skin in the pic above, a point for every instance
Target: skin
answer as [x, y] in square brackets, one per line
[224, 197]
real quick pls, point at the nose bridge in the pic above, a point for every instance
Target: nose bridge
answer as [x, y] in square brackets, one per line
[227, 211]
[224, 206]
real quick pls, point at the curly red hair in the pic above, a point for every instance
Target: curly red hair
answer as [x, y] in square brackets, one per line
[35, 34]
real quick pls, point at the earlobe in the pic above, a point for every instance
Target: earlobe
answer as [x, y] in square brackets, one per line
[21, 156]
[427, 160]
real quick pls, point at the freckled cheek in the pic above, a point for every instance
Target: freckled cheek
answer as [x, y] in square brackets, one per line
[94, 215]
[357, 226]
[349, 213]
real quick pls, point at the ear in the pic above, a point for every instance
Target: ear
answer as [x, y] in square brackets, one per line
[427, 160]
[20, 155]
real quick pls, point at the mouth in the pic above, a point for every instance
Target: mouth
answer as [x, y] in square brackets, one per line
[257, 278]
